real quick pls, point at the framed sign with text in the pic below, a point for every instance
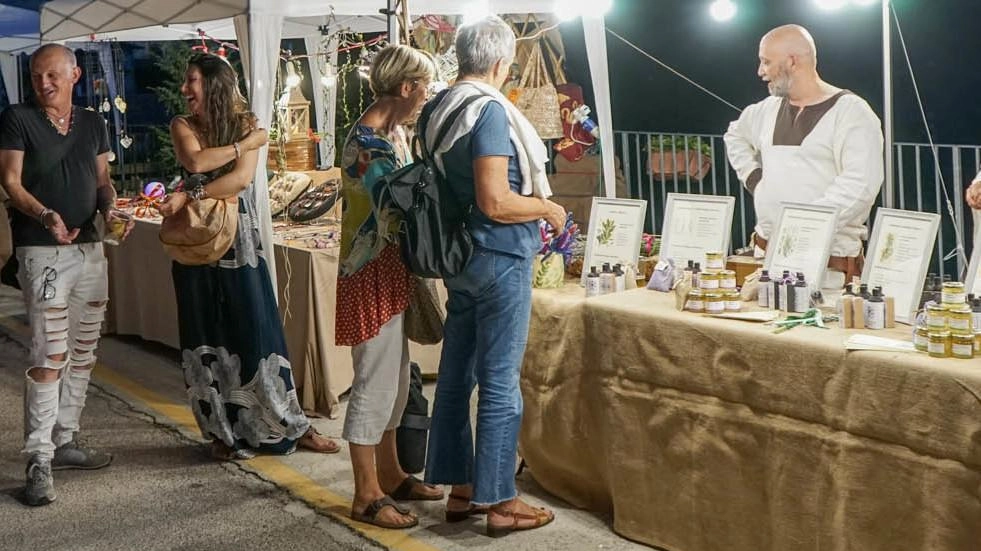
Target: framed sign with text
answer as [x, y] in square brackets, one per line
[899, 256]
[695, 225]
[615, 229]
[801, 241]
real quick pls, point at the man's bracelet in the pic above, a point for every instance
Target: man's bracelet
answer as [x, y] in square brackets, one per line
[44, 212]
[238, 150]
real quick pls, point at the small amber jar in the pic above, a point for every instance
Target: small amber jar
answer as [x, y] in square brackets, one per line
[709, 280]
[921, 338]
[714, 261]
[715, 303]
[962, 346]
[977, 344]
[936, 317]
[939, 346]
[734, 301]
[695, 301]
[727, 279]
[960, 320]
[953, 293]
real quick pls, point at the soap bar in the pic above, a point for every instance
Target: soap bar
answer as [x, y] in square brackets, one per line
[858, 310]
[847, 320]
[890, 312]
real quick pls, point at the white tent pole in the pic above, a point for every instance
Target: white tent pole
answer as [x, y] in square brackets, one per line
[324, 100]
[594, 30]
[889, 197]
[8, 67]
[262, 30]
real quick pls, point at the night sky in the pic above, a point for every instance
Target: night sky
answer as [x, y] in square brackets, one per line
[941, 35]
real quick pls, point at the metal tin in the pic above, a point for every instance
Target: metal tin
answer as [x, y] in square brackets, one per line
[939, 346]
[962, 346]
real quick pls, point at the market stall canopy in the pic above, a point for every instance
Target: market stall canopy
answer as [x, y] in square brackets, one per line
[259, 27]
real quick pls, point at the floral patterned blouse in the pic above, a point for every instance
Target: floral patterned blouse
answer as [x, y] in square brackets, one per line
[373, 283]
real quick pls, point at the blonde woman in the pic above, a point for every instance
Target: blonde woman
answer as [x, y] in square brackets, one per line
[373, 288]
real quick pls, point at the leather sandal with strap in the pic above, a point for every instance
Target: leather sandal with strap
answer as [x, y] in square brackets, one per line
[461, 515]
[370, 514]
[540, 518]
[314, 441]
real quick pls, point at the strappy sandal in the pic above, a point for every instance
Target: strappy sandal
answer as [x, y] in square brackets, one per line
[540, 518]
[464, 514]
[314, 441]
[408, 490]
[370, 514]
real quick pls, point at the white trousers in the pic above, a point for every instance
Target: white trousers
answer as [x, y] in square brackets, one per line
[381, 385]
[65, 291]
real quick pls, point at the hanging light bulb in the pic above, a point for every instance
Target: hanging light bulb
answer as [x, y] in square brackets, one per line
[329, 79]
[221, 51]
[292, 78]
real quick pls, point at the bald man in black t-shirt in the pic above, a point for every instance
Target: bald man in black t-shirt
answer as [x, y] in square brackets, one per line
[54, 166]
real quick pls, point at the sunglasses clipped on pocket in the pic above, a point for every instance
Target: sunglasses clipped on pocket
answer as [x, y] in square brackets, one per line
[48, 289]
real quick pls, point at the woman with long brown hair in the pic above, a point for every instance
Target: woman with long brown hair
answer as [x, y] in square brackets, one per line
[240, 383]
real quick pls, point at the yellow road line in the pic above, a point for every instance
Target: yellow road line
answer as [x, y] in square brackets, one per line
[269, 467]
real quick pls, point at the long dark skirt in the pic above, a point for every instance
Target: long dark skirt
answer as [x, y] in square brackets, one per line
[233, 352]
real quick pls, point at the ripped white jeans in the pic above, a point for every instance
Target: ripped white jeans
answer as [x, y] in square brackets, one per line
[65, 290]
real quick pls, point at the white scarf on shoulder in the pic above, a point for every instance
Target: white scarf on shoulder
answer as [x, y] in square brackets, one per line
[532, 154]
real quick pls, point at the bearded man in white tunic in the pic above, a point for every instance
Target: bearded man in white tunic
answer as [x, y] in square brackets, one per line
[809, 142]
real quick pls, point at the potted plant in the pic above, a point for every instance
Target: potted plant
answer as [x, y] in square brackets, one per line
[680, 156]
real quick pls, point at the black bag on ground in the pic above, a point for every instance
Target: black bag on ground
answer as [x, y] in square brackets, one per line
[433, 237]
[412, 435]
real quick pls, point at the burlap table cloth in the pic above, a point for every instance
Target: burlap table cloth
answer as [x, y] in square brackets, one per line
[702, 434]
[142, 302]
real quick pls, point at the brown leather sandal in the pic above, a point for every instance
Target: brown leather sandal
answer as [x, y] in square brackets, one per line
[314, 441]
[408, 490]
[540, 518]
[464, 514]
[370, 514]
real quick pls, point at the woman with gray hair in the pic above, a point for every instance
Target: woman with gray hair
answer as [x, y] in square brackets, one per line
[495, 161]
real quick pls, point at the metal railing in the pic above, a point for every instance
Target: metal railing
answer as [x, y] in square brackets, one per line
[917, 185]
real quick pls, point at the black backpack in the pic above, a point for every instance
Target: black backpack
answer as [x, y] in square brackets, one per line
[433, 236]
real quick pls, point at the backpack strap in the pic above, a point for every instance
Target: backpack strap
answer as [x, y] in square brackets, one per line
[445, 128]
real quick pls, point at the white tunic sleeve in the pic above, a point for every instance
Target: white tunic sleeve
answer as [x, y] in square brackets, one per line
[742, 141]
[858, 156]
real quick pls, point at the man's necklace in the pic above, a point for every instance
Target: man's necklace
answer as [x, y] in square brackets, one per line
[60, 123]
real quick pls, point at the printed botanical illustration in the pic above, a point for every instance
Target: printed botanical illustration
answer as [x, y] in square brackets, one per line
[788, 241]
[607, 227]
[889, 248]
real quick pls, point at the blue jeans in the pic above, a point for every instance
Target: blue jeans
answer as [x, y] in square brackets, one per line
[484, 342]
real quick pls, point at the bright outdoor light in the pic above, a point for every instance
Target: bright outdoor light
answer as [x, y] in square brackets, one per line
[830, 4]
[722, 10]
[865, 2]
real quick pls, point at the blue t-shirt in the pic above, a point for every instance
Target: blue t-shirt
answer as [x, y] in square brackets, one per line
[490, 137]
